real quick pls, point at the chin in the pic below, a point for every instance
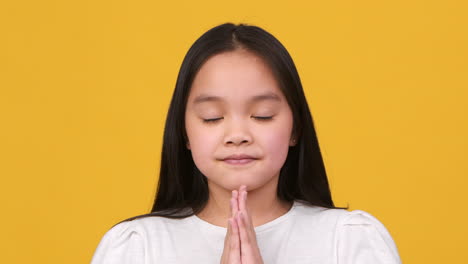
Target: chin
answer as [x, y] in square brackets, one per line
[233, 181]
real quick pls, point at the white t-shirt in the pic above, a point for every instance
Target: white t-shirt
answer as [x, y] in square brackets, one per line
[305, 234]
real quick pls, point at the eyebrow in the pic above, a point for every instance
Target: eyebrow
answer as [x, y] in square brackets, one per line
[261, 97]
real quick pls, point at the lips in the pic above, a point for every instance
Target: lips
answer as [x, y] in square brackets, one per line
[239, 159]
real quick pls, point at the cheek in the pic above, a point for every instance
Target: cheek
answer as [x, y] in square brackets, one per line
[277, 146]
[202, 146]
[275, 141]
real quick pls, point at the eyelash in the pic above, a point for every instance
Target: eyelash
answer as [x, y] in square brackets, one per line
[260, 118]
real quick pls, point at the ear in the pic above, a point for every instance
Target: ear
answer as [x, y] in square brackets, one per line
[292, 142]
[188, 145]
[294, 137]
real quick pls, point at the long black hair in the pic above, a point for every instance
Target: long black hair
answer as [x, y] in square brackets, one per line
[182, 189]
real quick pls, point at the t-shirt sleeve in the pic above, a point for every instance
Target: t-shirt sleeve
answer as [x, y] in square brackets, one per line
[362, 239]
[123, 243]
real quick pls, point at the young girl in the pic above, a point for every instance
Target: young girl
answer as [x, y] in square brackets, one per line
[242, 178]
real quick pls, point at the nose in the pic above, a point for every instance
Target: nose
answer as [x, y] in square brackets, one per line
[237, 133]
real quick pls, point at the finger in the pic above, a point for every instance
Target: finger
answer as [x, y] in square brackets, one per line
[244, 208]
[235, 247]
[241, 198]
[232, 201]
[246, 245]
[242, 188]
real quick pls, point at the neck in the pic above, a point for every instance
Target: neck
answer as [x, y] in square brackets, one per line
[262, 203]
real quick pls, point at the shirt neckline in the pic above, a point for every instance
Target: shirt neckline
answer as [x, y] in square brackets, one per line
[258, 229]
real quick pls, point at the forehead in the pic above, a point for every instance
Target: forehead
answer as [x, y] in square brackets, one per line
[236, 76]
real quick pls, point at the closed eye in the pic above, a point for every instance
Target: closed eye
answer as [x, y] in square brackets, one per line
[263, 118]
[212, 120]
[260, 118]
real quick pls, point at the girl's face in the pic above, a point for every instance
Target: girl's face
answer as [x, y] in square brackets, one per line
[235, 107]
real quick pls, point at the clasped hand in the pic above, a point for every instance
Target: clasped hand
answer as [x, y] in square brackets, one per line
[240, 244]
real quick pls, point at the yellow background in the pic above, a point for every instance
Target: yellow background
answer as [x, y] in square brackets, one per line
[85, 88]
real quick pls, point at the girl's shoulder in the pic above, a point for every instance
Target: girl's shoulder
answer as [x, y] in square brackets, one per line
[352, 232]
[339, 217]
[124, 237]
[146, 225]
[360, 231]
[128, 241]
